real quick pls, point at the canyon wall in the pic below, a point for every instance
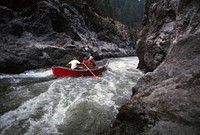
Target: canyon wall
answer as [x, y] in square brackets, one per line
[166, 99]
[44, 33]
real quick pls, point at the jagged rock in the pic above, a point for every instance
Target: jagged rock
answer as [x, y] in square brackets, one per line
[39, 34]
[164, 22]
[166, 101]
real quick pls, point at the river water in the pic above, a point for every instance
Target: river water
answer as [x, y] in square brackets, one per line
[38, 103]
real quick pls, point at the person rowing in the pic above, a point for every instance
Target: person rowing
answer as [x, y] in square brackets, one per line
[89, 62]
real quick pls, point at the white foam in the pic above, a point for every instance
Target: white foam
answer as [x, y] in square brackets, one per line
[37, 74]
[45, 112]
[31, 73]
[31, 107]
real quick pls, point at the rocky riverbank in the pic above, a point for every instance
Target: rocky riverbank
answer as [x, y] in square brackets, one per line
[166, 101]
[43, 33]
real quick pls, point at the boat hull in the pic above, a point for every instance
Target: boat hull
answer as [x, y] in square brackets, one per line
[64, 71]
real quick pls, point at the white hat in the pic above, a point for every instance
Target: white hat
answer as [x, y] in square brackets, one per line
[91, 57]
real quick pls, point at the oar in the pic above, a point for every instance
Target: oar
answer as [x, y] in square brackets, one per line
[97, 78]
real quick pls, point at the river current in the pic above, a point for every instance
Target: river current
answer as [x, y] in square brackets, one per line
[38, 103]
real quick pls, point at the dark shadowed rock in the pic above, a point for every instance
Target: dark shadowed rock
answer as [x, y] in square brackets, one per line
[166, 101]
[43, 33]
[164, 22]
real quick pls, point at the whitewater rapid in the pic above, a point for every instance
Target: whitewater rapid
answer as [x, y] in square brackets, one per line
[36, 102]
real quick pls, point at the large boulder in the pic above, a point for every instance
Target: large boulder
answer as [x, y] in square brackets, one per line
[164, 22]
[166, 101]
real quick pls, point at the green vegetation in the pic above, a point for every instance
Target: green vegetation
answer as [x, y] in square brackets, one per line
[129, 12]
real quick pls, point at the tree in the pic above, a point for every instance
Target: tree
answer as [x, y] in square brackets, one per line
[129, 12]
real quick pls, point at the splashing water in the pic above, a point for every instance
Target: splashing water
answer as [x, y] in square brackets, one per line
[36, 102]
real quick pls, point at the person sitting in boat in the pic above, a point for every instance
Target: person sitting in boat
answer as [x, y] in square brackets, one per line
[74, 63]
[89, 62]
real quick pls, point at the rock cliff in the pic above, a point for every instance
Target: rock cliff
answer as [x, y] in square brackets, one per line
[42, 33]
[166, 101]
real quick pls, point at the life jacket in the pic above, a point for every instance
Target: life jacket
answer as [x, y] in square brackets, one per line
[91, 62]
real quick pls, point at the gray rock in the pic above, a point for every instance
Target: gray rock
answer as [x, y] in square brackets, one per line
[166, 101]
[44, 33]
[164, 23]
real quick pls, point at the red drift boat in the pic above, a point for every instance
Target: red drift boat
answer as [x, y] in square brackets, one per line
[65, 71]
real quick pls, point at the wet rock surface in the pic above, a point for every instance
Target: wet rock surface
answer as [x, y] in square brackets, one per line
[166, 101]
[43, 33]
